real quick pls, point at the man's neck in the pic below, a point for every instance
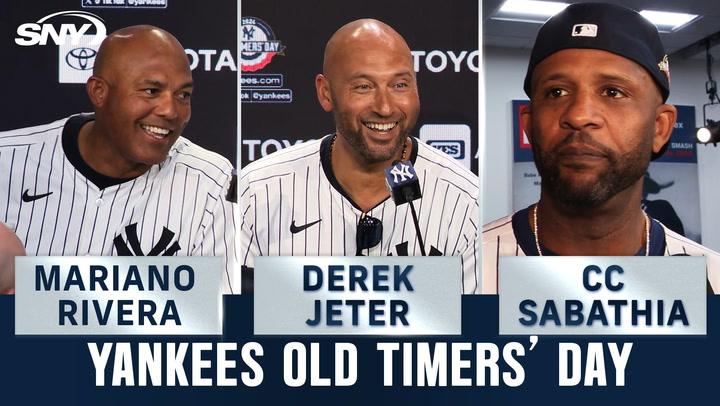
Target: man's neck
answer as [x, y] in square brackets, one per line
[363, 182]
[616, 227]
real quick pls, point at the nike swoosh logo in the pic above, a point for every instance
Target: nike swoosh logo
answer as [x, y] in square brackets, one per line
[296, 229]
[27, 198]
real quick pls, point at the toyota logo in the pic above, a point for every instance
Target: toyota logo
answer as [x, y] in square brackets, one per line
[81, 58]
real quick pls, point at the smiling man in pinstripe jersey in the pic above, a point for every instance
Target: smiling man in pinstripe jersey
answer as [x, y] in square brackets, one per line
[315, 198]
[121, 181]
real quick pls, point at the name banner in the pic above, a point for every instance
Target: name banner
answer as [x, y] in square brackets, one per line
[118, 295]
[602, 295]
[357, 295]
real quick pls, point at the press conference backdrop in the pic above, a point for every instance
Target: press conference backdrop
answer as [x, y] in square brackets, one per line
[44, 81]
[279, 105]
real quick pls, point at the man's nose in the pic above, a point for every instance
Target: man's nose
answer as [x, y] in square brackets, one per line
[167, 106]
[382, 103]
[582, 111]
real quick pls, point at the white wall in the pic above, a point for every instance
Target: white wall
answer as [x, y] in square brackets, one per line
[504, 75]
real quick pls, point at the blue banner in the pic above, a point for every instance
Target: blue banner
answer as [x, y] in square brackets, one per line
[478, 366]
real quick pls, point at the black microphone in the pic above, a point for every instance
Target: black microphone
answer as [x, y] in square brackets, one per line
[404, 185]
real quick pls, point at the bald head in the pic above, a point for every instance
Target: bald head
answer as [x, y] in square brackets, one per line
[369, 84]
[141, 79]
[360, 35]
[137, 38]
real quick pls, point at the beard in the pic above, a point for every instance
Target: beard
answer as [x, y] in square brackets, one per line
[371, 155]
[622, 171]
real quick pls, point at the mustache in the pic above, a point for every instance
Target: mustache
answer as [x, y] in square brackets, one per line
[583, 139]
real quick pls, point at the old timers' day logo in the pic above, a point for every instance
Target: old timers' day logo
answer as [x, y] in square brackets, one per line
[258, 44]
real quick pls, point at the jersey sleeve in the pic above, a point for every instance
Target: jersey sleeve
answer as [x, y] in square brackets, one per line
[247, 233]
[471, 254]
[218, 237]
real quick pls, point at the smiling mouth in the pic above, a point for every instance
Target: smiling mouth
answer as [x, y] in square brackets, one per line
[156, 132]
[380, 127]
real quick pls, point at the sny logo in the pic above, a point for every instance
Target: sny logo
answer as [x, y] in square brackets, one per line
[401, 170]
[132, 238]
[37, 33]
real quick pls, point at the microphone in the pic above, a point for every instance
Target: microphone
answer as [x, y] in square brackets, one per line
[404, 186]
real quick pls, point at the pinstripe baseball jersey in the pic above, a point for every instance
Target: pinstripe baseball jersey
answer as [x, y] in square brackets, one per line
[51, 199]
[512, 236]
[291, 204]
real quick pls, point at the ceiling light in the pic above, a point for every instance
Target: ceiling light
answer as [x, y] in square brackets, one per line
[531, 11]
[667, 21]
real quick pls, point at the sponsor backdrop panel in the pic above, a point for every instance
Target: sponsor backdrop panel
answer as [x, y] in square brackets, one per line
[670, 187]
[49, 54]
[283, 47]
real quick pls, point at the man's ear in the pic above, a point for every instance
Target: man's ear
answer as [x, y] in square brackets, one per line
[97, 91]
[322, 87]
[665, 117]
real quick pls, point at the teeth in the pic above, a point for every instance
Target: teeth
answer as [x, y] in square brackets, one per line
[156, 130]
[380, 126]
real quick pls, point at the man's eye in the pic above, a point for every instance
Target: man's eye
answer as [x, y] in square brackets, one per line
[613, 92]
[401, 85]
[185, 95]
[557, 92]
[151, 91]
[362, 87]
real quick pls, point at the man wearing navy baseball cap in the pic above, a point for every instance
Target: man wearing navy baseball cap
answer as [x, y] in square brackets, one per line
[598, 82]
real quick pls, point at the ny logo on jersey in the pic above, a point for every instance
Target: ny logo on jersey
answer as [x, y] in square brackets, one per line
[401, 170]
[132, 238]
[402, 250]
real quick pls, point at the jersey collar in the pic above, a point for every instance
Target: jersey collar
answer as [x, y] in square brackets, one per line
[327, 167]
[526, 239]
[70, 134]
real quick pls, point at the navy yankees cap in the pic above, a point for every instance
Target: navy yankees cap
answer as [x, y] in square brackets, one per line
[607, 27]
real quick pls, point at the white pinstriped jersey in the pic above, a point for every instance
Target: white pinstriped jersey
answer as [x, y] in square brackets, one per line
[176, 208]
[295, 187]
[511, 237]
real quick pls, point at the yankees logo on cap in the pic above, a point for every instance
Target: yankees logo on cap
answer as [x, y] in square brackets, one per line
[607, 27]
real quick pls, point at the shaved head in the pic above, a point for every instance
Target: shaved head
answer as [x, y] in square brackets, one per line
[358, 35]
[146, 37]
[140, 89]
[369, 84]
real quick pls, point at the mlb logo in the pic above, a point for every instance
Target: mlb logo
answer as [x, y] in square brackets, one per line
[584, 30]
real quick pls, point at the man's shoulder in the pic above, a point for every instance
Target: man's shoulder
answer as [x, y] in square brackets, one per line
[500, 228]
[205, 162]
[286, 160]
[678, 244]
[32, 135]
[442, 166]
